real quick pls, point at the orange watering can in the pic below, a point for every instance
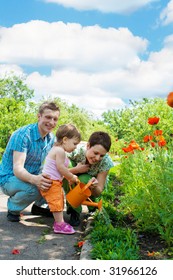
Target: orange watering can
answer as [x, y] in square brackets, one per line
[80, 194]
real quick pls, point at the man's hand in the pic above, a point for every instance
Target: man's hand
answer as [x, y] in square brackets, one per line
[43, 182]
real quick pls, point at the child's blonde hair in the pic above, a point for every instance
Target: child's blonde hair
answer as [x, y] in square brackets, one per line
[69, 131]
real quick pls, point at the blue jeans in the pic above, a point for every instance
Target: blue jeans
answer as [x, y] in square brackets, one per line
[21, 194]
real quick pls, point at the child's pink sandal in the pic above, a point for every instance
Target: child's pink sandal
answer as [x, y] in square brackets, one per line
[63, 228]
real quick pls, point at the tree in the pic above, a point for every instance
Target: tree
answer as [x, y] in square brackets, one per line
[131, 122]
[14, 87]
[15, 108]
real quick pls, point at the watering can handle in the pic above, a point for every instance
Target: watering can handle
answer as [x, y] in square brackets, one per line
[85, 187]
[78, 182]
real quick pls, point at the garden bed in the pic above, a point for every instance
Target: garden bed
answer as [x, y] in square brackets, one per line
[115, 235]
[152, 247]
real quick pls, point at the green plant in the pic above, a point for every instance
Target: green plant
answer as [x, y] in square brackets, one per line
[111, 240]
[130, 122]
[147, 183]
[42, 238]
[111, 243]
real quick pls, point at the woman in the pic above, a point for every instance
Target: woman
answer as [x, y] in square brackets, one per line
[90, 160]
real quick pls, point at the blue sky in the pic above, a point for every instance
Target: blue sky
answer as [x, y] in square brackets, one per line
[94, 54]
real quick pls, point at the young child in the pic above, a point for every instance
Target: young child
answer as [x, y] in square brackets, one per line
[56, 166]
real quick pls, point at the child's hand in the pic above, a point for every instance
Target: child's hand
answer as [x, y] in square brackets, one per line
[74, 179]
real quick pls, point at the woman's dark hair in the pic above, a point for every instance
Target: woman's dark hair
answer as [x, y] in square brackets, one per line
[100, 138]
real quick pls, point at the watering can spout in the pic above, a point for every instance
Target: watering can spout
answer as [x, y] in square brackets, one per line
[80, 195]
[89, 202]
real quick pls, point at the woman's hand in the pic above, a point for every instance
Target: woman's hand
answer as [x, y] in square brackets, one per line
[81, 168]
[95, 188]
[94, 183]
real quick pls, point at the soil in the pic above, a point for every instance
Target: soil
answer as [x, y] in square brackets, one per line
[152, 247]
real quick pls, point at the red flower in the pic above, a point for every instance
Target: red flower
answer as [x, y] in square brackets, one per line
[151, 254]
[162, 143]
[147, 138]
[158, 132]
[153, 121]
[131, 147]
[160, 138]
[127, 149]
[15, 252]
[153, 144]
[80, 243]
[134, 145]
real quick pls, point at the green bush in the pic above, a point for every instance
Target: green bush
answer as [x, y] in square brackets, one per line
[113, 243]
[111, 238]
[148, 186]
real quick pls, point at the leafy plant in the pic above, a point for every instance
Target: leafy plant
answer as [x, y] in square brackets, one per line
[130, 122]
[111, 243]
[17, 109]
[147, 183]
[110, 237]
[42, 238]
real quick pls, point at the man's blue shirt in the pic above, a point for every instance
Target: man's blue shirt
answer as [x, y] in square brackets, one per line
[26, 139]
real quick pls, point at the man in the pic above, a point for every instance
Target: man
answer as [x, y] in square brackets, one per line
[20, 170]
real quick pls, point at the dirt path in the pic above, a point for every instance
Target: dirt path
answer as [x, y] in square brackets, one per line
[34, 238]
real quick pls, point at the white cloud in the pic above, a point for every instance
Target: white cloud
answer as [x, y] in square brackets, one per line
[10, 70]
[93, 67]
[82, 89]
[105, 6]
[60, 45]
[166, 15]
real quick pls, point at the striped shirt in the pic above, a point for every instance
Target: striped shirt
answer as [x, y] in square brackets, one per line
[26, 139]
